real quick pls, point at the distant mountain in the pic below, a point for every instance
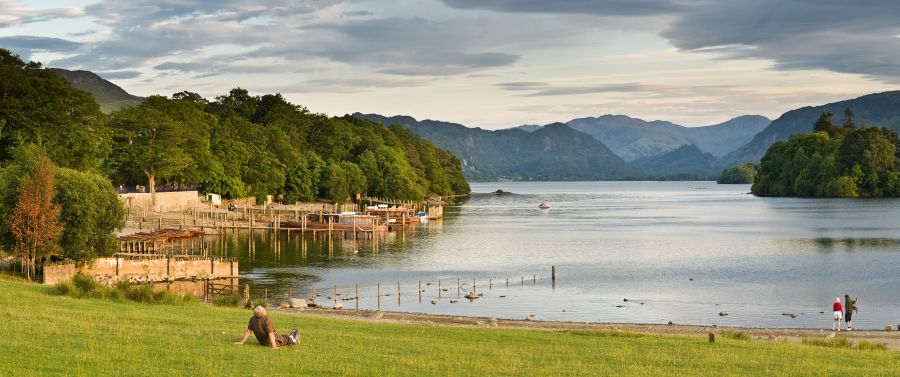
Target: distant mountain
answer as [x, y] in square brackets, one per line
[529, 127]
[554, 152]
[879, 109]
[109, 96]
[685, 162]
[720, 139]
[633, 138]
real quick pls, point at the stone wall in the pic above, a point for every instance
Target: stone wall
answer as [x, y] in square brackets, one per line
[145, 269]
[173, 201]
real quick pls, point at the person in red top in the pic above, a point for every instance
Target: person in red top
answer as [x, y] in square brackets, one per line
[838, 313]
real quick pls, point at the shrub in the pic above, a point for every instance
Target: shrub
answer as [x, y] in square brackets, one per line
[736, 335]
[233, 299]
[80, 286]
[841, 342]
[871, 346]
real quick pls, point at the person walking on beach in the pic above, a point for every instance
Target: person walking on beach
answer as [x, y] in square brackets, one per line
[849, 308]
[262, 327]
[838, 313]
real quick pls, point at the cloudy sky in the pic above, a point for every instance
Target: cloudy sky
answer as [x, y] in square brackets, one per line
[487, 63]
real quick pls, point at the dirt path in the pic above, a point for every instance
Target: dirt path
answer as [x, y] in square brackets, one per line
[891, 339]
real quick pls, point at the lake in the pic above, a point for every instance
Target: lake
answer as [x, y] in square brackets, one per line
[638, 252]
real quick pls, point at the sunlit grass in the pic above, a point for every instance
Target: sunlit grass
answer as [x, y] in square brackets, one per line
[48, 334]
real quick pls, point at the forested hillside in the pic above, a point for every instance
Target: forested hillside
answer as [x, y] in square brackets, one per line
[882, 109]
[554, 152]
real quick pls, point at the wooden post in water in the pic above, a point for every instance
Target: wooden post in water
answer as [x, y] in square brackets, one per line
[553, 273]
[398, 293]
[356, 286]
[457, 287]
[334, 294]
[420, 291]
[378, 294]
[439, 289]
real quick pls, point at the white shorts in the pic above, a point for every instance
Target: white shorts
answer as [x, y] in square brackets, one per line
[838, 315]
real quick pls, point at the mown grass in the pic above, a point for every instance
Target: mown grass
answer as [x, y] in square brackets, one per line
[48, 334]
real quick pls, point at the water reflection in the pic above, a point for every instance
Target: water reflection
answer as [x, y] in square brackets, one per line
[678, 251]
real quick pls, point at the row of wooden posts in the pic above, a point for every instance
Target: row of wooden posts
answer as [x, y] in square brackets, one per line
[440, 289]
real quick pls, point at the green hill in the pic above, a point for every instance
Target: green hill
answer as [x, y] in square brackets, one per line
[109, 96]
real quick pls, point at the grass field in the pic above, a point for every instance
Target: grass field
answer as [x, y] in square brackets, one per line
[46, 334]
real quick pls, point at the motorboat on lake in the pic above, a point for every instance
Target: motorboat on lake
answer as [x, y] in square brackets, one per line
[544, 205]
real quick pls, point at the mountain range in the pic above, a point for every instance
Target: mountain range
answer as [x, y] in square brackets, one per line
[554, 152]
[634, 138]
[607, 147]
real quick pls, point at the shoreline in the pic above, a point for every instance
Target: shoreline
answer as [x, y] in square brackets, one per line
[793, 335]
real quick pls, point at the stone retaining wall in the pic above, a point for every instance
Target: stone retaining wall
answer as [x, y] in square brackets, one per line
[153, 269]
[171, 201]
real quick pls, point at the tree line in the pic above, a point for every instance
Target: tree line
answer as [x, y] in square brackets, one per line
[848, 159]
[61, 157]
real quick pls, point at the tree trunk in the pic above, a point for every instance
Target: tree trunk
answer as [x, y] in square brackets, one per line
[151, 183]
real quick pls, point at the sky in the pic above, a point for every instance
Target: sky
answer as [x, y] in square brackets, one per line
[483, 63]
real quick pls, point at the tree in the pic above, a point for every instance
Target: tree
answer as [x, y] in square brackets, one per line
[91, 212]
[165, 140]
[848, 119]
[738, 174]
[37, 106]
[34, 221]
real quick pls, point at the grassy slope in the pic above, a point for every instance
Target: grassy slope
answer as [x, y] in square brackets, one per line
[43, 334]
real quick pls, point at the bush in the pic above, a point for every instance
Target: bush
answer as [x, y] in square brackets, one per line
[871, 346]
[843, 342]
[81, 286]
[736, 335]
[233, 299]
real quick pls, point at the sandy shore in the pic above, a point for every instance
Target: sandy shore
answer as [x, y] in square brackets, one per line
[889, 338]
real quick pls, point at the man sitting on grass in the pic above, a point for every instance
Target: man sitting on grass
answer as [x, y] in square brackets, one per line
[261, 326]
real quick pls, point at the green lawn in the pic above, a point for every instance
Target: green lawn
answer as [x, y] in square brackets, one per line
[45, 334]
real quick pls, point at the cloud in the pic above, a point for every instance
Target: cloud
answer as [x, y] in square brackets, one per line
[11, 15]
[603, 8]
[351, 85]
[410, 46]
[848, 37]
[858, 37]
[118, 75]
[539, 89]
[146, 30]
[357, 13]
[26, 45]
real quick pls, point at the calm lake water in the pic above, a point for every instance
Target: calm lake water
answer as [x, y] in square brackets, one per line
[677, 251]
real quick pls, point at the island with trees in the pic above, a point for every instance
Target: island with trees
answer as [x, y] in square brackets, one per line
[738, 174]
[850, 159]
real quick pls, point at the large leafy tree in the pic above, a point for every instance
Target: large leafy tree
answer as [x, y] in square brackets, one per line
[163, 139]
[38, 106]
